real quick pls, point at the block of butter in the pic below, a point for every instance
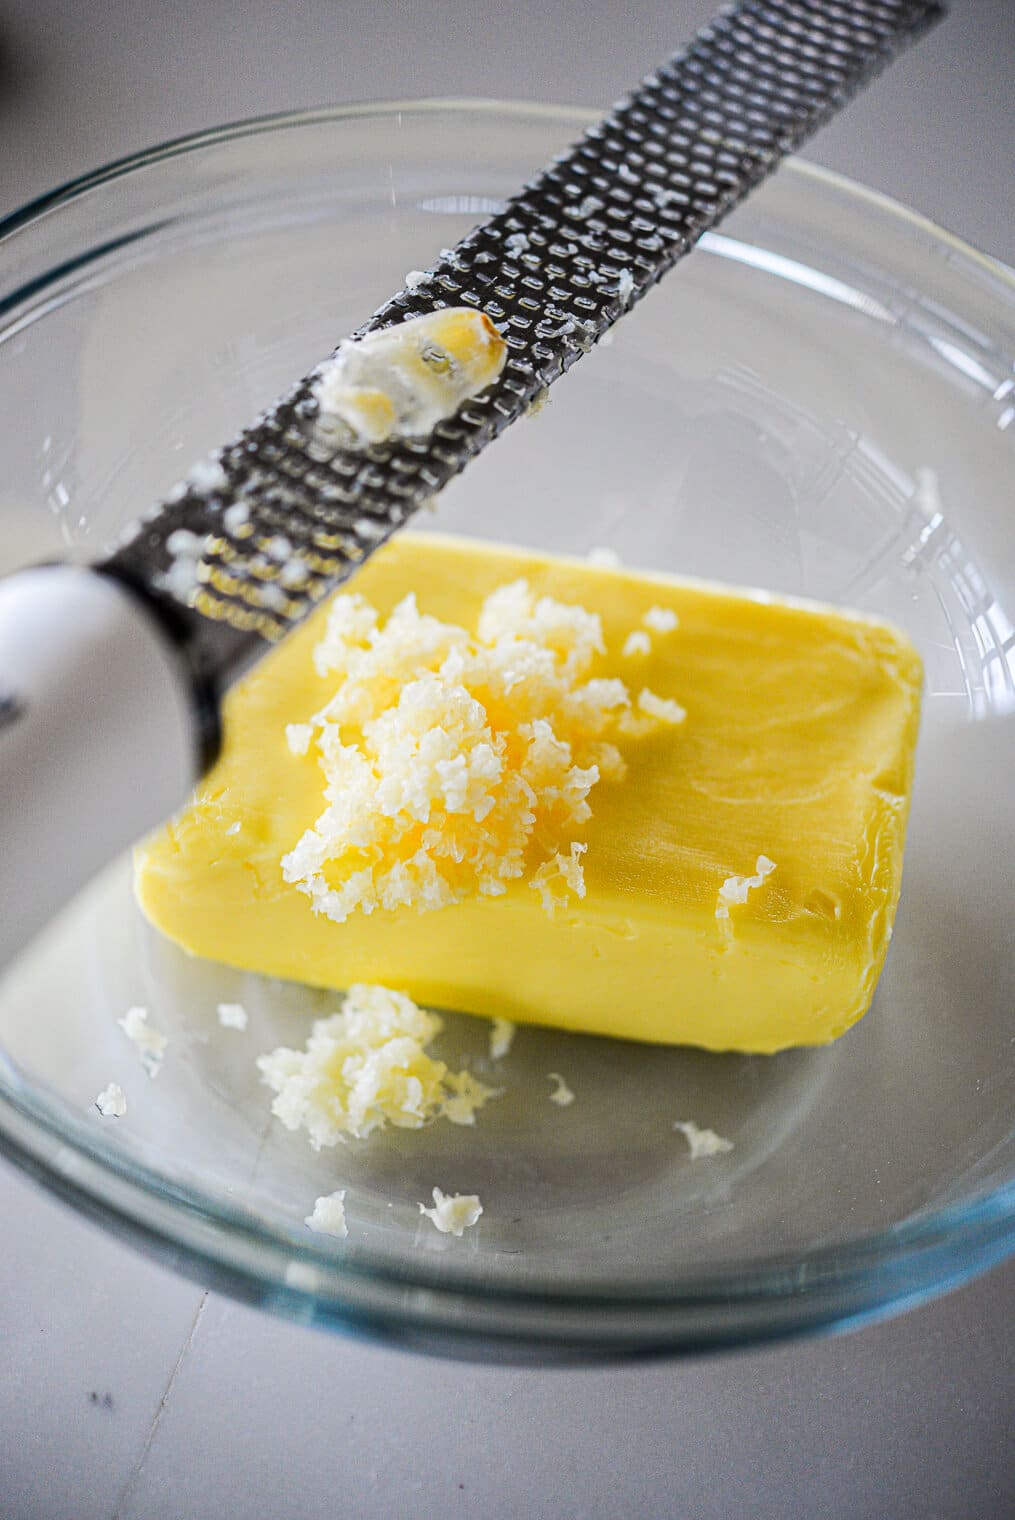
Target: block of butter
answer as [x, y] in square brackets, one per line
[735, 878]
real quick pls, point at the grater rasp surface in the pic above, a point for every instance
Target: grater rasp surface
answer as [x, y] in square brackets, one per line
[244, 550]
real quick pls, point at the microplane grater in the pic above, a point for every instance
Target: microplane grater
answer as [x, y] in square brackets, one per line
[554, 269]
[631, 198]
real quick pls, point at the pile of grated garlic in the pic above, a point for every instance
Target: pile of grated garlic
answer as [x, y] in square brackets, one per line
[455, 762]
[366, 1067]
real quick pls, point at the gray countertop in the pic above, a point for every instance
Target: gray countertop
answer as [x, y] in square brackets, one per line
[81, 83]
[128, 1392]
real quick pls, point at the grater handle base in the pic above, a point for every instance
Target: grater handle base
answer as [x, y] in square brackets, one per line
[99, 737]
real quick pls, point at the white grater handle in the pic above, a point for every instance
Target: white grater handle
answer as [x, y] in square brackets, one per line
[98, 738]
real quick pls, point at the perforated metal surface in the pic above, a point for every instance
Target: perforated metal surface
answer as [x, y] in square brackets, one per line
[283, 521]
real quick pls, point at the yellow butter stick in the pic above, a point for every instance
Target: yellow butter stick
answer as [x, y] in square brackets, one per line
[733, 886]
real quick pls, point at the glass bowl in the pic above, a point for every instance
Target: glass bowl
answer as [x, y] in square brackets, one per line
[819, 402]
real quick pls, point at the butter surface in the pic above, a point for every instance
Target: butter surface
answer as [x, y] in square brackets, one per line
[797, 747]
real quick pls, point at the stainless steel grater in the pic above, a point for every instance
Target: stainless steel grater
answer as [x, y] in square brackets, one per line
[112, 677]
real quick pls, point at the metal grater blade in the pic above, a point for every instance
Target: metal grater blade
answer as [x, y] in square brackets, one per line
[244, 550]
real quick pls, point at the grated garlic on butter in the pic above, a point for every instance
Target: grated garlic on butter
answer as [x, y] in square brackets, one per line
[367, 1067]
[660, 619]
[734, 889]
[455, 1214]
[637, 642]
[298, 737]
[455, 763]
[663, 708]
[557, 877]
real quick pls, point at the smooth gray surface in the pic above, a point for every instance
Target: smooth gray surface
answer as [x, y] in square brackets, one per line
[83, 83]
[218, 1411]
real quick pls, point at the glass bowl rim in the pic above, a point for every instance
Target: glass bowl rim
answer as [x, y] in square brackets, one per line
[865, 1276]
